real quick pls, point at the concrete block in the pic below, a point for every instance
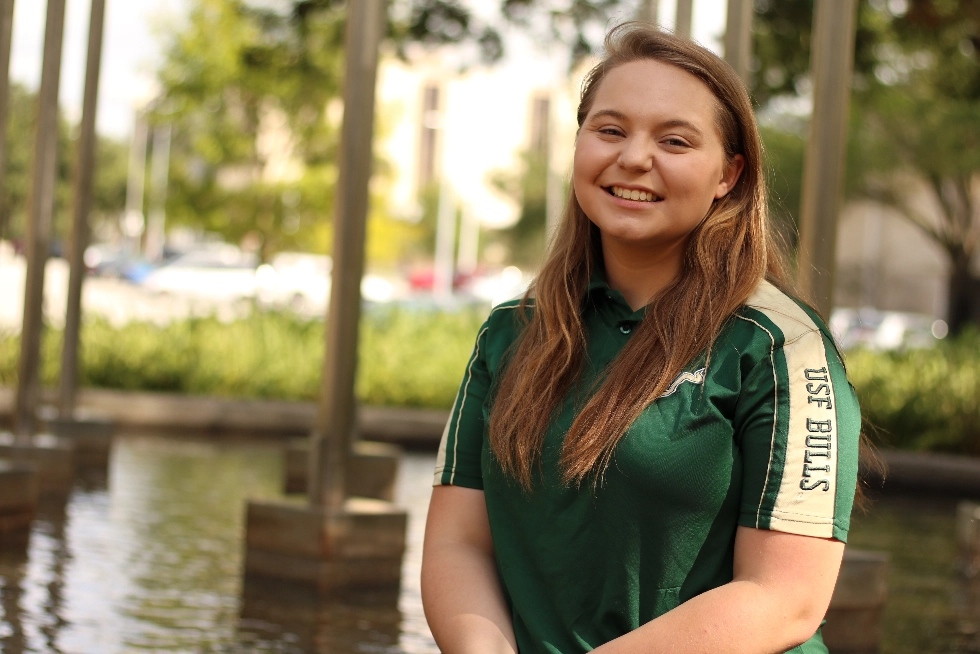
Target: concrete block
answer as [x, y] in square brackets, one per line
[18, 500]
[854, 620]
[91, 435]
[360, 547]
[372, 470]
[53, 459]
[968, 538]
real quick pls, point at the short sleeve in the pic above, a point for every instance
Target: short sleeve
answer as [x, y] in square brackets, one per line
[458, 461]
[798, 426]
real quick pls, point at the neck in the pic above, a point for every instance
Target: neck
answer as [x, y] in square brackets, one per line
[639, 273]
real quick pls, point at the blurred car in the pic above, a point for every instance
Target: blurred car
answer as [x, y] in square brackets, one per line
[300, 281]
[295, 280]
[218, 274]
[112, 261]
[885, 330]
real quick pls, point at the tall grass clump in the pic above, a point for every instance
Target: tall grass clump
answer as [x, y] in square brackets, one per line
[922, 399]
[407, 358]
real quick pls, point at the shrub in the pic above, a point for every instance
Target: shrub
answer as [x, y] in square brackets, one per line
[922, 399]
[407, 358]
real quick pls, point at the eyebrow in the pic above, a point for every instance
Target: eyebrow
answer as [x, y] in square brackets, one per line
[676, 122]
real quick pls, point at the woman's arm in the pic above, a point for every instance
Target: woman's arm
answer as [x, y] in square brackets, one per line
[777, 599]
[464, 603]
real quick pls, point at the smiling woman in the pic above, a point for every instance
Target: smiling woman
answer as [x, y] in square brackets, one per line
[656, 448]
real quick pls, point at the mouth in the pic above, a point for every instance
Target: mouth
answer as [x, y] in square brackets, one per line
[632, 194]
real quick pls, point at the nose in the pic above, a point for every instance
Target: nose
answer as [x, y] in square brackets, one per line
[637, 154]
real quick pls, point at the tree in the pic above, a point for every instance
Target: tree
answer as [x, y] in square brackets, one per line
[110, 176]
[915, 116]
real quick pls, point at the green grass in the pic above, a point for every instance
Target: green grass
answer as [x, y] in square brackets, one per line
[926, 399]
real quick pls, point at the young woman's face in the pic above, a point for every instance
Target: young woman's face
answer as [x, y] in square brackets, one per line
[649, 159]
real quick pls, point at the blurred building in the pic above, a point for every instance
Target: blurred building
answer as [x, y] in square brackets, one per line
[436, 121]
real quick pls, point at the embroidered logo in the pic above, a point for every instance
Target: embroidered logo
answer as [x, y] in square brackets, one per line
[696, 377]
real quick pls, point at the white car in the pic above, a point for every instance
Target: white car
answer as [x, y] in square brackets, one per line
[295, 280]
[218, 274]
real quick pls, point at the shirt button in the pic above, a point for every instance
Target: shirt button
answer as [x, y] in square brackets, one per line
[625, 327]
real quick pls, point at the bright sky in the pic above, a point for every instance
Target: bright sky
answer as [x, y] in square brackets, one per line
[132, 49]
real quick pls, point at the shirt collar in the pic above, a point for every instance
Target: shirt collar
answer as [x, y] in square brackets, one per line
[598, 287]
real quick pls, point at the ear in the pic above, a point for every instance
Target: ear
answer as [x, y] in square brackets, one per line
[732, 171]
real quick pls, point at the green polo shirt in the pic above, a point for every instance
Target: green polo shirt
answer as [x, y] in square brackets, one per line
[765, 435]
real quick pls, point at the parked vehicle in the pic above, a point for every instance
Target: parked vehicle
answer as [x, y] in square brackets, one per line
[295, 280]
[218, 274]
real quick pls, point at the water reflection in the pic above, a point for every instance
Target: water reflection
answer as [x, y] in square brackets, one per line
[930, 608]
[153, 564]
[151, 561]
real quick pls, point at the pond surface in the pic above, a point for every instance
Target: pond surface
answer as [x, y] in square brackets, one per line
[147, 558]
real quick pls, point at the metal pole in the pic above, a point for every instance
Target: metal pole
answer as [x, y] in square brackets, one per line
[684, 17]
[6, 35]
[40, 210]
[136, 176]
[832, 62]
[738, 37]
[648, 11]
[84, 172]
[159, 178]
[442, 276]
[331, 443]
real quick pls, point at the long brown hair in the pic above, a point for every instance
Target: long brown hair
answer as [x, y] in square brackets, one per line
[727, 255]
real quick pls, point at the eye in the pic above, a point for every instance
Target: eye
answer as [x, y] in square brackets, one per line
[675, 142]
[610, 131]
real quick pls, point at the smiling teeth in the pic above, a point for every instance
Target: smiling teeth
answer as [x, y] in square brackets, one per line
[633, 194]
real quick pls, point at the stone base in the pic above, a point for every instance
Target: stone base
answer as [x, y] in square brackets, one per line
[53, 459]
[854, 620]
[968, 539]
[372, 469]
[91, 434]
[18, 501]
[359, 548]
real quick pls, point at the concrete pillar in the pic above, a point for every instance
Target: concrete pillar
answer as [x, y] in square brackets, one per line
[372, 469]
[968, 538]
[133, 220]
[40, 210]
[336, 542]
[648, 11]
[684, 18]
[738, 37]
[444, 271]
[84, 173]
[159, 180]
[854, 619]
[6, 36]
[832, 62]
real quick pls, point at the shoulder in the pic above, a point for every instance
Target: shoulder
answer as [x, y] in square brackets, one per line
[772, 315]
[503, 327]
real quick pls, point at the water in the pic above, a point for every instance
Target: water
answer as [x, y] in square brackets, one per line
[147, 559]
[151, 560]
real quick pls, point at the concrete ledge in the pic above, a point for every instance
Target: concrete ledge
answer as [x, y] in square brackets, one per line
[52, 458]
[91, 434]
[936, 473]
[420, 428]
[372, 469]
[361, 547]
